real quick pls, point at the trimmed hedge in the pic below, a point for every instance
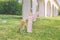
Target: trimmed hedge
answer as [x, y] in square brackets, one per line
[10, 7]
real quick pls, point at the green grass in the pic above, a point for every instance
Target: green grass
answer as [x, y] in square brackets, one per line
[43, 29]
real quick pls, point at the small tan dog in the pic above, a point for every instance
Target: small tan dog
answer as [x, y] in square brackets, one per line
[23, 22]
[23, 26]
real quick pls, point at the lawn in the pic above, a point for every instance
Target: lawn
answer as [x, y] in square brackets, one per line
[43, 29]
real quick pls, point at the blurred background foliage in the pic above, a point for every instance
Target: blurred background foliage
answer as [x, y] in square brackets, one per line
[59, 11]
[10, 7]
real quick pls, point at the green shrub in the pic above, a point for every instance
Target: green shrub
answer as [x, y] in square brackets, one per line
[10, 7]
